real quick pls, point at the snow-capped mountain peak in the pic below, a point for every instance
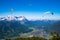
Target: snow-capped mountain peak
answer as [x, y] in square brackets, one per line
[9, 18]
[21, 18]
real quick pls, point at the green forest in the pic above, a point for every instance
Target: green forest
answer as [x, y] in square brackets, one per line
[53, 36]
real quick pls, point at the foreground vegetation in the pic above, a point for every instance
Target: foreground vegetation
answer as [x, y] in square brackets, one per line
[32, 38]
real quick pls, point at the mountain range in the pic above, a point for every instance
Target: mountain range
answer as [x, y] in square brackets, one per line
[14, 26]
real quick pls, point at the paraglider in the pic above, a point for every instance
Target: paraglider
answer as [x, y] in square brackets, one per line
[52, 13]
[49, 12]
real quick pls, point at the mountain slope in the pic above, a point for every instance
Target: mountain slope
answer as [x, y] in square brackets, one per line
[12, 28]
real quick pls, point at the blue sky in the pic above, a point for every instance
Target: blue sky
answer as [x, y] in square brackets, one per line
[31, 9]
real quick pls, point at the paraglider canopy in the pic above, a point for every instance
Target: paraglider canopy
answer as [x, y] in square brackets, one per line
[49, 12]
[12, 10]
